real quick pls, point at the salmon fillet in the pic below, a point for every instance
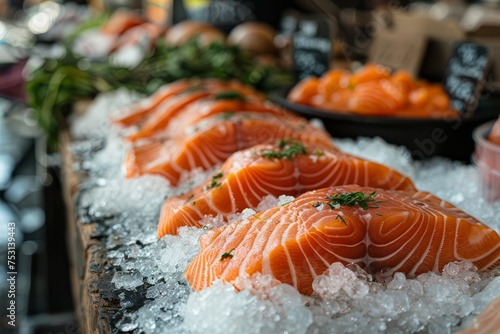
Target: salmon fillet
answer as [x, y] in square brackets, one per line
[148, 107]
[250, 175]
[409, 232]
[214, 139]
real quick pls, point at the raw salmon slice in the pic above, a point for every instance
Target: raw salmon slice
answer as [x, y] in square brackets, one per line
[120, 21]
[248, 176]
[376, 98]
[161, 115]
[409, 232]
[214, 139]
[207, 107]
[135, 113]
[159, 119]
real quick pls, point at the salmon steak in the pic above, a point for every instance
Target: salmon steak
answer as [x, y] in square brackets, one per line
[383, 231]
[214, 139]
[285, 168]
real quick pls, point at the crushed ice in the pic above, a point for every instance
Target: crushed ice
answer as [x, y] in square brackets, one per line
[346, 299]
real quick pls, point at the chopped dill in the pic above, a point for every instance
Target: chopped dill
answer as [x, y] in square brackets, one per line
[378, 214]
[294, 148]
[333, 206]
[351, 199]
[316, 205]
[342, 219]
[227, 255]
[282, 143]
[226, 115]
[229, 95]
[319, 153]
[214, 182]
[192, 89]
[194, 203]
[190, 196]
[259, 218]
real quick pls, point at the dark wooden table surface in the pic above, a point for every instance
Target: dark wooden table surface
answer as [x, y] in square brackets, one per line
[90, 274]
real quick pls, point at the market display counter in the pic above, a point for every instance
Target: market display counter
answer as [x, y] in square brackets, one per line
[91, 280]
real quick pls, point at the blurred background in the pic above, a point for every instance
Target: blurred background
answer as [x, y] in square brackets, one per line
[33, 33]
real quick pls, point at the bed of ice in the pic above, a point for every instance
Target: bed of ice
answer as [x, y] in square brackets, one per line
[347, 300]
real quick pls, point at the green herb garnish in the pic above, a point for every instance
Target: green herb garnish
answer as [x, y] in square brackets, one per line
[58, 83]
[225, 116]
[194, 203]
[342, 219]
[190, 196]
[351, 199]
[319, 152]
[192, 89]
[229, 95]
[316, 205]
[282, 143]
[227, 255]
[294, 148]
[259, 218]
[214, 182]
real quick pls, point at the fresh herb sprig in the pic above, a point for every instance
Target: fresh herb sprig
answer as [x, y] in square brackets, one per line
[229, 95]
[341, 219]
[227, 255]
[58, 83]
[290, 150]
[351, 199]
[225, 116]
[214, 183]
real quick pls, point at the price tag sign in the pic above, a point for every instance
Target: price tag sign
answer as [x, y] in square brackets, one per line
[465, 76]
[312, 47]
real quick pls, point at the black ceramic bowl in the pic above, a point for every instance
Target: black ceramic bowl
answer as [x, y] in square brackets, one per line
[424, 138]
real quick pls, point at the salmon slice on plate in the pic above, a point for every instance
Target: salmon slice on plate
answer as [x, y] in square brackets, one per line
[287, 167]
[383, 231]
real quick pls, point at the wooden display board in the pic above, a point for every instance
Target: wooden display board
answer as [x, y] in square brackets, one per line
[90, 280]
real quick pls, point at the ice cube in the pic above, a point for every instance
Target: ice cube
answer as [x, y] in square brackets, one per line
[127, 280]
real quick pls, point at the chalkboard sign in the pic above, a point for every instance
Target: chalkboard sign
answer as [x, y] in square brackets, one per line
[465, 76]
[288, 24]
[226, 14]
[312, 47]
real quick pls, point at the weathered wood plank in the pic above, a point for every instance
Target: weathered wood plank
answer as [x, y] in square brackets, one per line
[88, 260]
